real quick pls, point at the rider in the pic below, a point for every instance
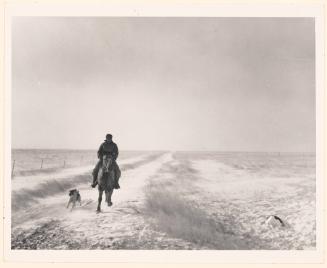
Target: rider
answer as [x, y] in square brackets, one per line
[108, 147]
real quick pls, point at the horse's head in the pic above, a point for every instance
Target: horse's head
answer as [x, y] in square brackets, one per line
[106, 163]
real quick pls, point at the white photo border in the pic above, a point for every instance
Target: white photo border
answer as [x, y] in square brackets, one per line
[171, 256]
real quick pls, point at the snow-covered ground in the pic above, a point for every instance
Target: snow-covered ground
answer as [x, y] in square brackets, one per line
[172, 201]
[32, 181]
[253, 197]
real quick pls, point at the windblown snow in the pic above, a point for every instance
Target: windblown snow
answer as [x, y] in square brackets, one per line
[173, 200]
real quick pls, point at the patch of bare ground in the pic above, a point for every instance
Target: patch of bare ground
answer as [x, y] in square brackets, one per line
[50, 235]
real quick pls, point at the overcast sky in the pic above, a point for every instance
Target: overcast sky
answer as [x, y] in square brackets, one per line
[239, 84]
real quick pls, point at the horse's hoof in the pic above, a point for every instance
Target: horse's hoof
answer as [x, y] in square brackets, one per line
[110, 204]
[98, 210]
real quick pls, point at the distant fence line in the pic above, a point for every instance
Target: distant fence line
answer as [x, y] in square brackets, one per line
[43, 164]
[13, 168]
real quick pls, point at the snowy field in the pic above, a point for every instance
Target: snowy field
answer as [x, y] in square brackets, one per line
[28, 162]
[169, 200]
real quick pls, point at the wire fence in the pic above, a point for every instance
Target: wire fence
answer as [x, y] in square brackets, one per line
[44, 165]
[25, 162]
[28, 162]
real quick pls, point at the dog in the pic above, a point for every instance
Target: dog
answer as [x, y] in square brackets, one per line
[275, 221]
[74, 196]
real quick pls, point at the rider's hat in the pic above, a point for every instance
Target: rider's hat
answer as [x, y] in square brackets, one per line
[108, 137]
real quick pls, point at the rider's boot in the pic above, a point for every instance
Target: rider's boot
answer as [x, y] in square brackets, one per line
[117, 176]
[117, 186]
[116, 183]
[95, 182]
[95, 174]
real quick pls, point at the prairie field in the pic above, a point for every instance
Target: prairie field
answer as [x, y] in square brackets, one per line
[167, 200]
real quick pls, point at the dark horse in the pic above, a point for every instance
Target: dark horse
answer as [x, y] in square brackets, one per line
[106, 180]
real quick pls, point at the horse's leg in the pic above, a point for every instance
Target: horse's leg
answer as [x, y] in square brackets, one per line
[99, 200]
[109, 194]
[74, 204]
[111, 187]
[108, 197]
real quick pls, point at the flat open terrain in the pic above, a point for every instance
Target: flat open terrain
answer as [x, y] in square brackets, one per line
[171, 200]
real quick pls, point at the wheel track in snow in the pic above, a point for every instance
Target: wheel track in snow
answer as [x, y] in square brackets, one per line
[84, 219]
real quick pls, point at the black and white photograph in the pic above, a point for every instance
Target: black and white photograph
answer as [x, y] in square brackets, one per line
[163, 133]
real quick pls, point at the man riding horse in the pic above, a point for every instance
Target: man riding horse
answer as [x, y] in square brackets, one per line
[108, 147]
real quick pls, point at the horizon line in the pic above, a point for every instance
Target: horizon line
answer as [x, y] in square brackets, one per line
[168, 150]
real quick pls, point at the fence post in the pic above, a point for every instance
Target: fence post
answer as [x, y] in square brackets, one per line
[64, 163]
[41, 164]
[81, 160]
[13, 167]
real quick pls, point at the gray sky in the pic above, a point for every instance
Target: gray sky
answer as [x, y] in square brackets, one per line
[240, 84]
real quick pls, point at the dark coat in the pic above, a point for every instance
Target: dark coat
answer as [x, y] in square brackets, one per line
[108, 148]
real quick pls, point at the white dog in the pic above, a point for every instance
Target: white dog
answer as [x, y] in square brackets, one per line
[74, 196]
